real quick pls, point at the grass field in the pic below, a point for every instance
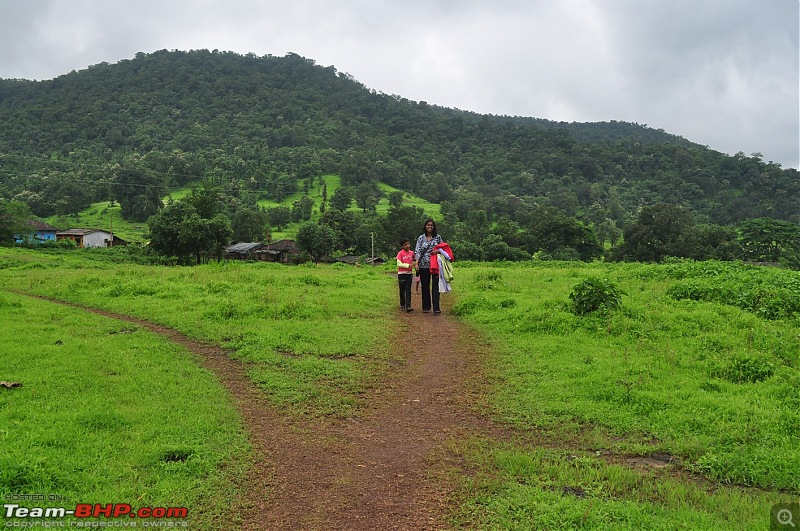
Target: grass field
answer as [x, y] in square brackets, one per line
[110, 413]
[296, 325]
[700, 366]
[713, 385]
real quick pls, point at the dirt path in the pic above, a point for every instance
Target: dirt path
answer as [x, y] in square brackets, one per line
[385, 469]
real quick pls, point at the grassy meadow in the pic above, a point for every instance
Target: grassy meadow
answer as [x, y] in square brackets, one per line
[297, 327]
[334, 182]
[111, 413]
[699, 369]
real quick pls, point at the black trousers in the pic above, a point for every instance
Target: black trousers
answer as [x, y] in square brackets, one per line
[430, 289]
[405, 282]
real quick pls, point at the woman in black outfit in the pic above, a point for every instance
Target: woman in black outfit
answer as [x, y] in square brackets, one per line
[422, 253]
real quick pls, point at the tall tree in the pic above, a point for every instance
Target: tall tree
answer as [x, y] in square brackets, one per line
[659, 231]
[279, 216]
[13, 220]
[342, 198]
[301, 209]
[367, 196]
[250, 225]
[770, 240]
[138, 190]
[179, 230]
[318, 240]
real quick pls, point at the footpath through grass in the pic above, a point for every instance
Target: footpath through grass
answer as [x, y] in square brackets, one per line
[110, 413]
[683, 369]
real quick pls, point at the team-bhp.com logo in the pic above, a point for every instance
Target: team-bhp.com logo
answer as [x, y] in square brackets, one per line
[96, 510]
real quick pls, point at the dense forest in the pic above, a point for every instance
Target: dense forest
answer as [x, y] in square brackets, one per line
[257, 127]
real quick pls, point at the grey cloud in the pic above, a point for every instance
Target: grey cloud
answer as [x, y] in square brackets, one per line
[718, 72]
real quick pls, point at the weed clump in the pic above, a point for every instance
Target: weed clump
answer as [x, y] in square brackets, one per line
[593, 294]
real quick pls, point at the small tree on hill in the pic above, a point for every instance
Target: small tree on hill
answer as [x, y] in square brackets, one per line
[249, 225]
[317, 240]
[342, 198]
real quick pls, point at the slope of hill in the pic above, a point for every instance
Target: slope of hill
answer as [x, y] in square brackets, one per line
[163, 120]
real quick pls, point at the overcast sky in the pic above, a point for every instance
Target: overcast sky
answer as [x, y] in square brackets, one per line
[722, 73]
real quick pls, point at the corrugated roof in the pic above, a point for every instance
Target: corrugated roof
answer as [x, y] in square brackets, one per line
[79, 232]
[283, 245]
[244, 247]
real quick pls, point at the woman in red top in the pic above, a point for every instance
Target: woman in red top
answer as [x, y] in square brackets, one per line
[424, 248]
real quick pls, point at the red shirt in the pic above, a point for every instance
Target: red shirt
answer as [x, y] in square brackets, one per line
[404, 261]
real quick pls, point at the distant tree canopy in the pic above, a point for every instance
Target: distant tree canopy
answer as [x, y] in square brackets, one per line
[269, 123]
[262, 128]
[659, 231]
[770, 240]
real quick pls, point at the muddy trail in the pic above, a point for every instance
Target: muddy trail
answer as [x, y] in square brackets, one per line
[390, 467]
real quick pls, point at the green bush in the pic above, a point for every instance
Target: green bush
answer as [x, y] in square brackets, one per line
[593, 294]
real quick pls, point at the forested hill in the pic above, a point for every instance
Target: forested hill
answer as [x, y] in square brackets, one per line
[259, 125]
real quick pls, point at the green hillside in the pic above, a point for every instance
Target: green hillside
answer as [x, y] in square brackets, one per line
[166, 119]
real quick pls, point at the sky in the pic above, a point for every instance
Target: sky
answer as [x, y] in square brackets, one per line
[721, 73]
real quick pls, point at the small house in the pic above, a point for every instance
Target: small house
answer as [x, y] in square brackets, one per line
[39, 232]
[90, 238]
[280, 251]
[242, 251]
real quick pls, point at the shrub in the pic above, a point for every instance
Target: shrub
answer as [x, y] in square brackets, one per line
[592, 294]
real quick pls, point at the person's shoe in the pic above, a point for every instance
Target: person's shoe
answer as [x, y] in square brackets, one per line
[409, 309]
[437, 311]
[425, 311]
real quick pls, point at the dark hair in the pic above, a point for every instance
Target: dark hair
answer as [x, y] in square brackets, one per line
[429, 220]
[404, 241]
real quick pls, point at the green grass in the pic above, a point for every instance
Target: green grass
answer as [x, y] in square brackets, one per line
[110, 413]
[544, 488]
[175, 195]
[715, 385]
[697, 363]
[301, 328]
[333, 183]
